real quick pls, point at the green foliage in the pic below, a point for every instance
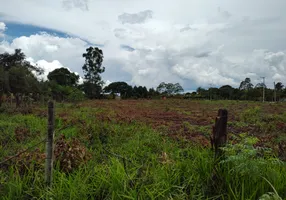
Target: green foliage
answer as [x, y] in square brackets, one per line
[92, 69]
[246, 84]
[75, 95]
[17, 76]
[245, 167]
[130, 160]
[65, 93]
[169, 88]
[251, 115]
[123, 88]
[140, 92]
[64, 77]
[226, 91]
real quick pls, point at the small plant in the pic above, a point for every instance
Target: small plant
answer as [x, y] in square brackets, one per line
[70, 154]
[251, 115]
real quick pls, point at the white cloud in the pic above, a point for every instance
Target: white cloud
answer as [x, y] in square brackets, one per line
[50, 48]
[135, 18]
[47, 66]
[2, 29]
[107, 82]
[44, 50]
[191, 42]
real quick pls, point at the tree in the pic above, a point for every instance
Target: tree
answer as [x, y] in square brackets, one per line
[92, 69]
[246, 84]
[140, 92]
[123, 88]
[18, 75]
[169, 88]
[64, 77]
[226, 91]
[202, 93]
[279, 86]
[152, 92]
[18, 58]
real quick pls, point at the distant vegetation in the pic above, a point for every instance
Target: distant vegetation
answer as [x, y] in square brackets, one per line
[19, 84]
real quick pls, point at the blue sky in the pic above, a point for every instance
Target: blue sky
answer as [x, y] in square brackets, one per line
[15, 30]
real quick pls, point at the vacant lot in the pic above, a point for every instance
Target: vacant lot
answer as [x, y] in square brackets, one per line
[193, 120]
[145, 149]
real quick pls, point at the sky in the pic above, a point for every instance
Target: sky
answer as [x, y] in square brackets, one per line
[197, 43]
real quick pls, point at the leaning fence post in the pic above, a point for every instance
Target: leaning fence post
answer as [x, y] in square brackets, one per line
[49, 144]
[219, 132]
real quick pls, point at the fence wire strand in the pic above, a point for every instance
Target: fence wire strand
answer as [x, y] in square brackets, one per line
[33, 146]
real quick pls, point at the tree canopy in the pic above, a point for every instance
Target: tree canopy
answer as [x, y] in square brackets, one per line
[92, 69]
[63, 76]
[18, 75]
[169, 88]
[123, 88]
[246, 84]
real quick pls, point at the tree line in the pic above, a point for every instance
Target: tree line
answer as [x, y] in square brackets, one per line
[19, 83]
[245, 91]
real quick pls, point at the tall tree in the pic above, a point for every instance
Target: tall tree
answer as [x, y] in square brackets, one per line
[279, 86]
[92, 69]
[246, 84]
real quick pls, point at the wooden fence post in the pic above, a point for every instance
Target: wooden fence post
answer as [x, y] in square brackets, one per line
[50, 144]
[219, 132]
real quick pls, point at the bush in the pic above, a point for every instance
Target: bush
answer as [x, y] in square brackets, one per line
[251, 115]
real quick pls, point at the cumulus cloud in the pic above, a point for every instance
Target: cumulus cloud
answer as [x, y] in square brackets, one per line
[191, 42]
[135, 18]
[49, 52]
[47, 66]
[48, 47]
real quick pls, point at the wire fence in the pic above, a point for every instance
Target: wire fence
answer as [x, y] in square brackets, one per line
[33, 146]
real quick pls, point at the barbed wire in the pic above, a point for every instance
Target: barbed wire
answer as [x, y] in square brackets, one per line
[33, 146]
[21, 152]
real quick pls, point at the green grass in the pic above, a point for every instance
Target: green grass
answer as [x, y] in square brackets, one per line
[133, 161]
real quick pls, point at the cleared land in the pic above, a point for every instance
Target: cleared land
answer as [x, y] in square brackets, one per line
[145, 149]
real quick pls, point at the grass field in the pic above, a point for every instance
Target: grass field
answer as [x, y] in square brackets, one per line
[145, 149]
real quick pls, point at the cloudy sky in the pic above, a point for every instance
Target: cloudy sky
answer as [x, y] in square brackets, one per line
[193, 42]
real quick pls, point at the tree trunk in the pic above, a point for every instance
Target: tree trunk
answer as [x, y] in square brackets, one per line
[18, 100]
[219, 132]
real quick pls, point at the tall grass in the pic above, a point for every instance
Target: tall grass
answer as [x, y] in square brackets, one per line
[132, 161]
